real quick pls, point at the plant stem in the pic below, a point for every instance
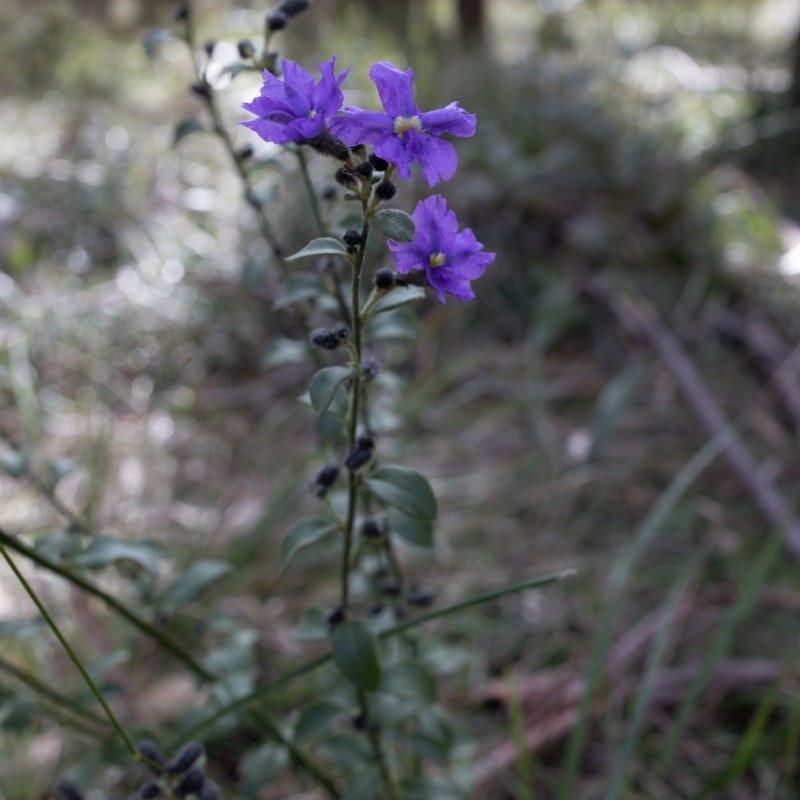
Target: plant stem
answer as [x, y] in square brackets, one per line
[298, 755]
[312, 195]
[377, 745]
[164, 639]
[71, 653]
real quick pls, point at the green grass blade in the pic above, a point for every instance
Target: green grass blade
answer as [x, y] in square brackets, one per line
[516, 718]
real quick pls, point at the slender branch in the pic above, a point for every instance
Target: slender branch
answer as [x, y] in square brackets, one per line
[164, 639]
[313, 200]
[71, 653]
[319, 774]
[320, 661]
[377, 745]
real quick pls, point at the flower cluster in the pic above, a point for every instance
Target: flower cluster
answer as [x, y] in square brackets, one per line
[298, 109]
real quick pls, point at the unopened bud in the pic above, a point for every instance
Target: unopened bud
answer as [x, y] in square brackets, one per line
[326, 144]
[371, 529]
[384, 278]
[364, 169]
[188, 754]
[293, 7]
[366, 441]
[150, 791]
[352, 237]
[360, 150]
[209, 791]
[420, 597]
[390, 589]
[345, 177]
[386, 190]
[359, 722]
[69, 790]
[335, 617]
[370, 369]
[357, 458]
[152, 754]
[342, 333]
[329, 192]
[276, 21]
[378, 163]
[181, 11]
[416, 277]
[246, 48]
[191, 782]
[325, 339]
[327, 476]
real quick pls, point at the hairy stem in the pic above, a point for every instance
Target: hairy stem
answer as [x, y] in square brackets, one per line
[71, 653]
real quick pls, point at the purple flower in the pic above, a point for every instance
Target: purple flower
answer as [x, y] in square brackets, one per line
[295, 109]
[450, 259]
[404, 134]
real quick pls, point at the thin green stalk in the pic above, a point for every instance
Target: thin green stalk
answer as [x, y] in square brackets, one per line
[298, 755]
[374, 734]
[397, 630]
[71, 653]
[164, 639]
[312, 195]
[516, 719]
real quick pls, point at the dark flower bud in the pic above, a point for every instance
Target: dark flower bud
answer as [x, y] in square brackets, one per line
[420, 597]
[370, 369]
[327, 476]
[188, 754]
[152, 754]
[371, 529]
[352, 249]
[357, 458]
[276, 21]
[293, 7]
[324, 339]
[375, 609]
[381, 572]
[209, 46]
[386, 190]
[359, 722]
[150, 791]
[364, 169]
[390, 589]
[181, 11]
[201, 88]
[378, 163]
[329, 192]
[191, 782]
[335, 617]
[345, 177]
[342, 333]
[384, 278]
[69, 790]
[399, 613]
[352, 237]
[246, 48]
[244, 153]
[416, 277]
[365, 441]
[360, 150]
[209, 791]
[326, 144]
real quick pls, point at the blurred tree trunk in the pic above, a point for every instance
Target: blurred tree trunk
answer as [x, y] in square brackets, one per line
[471, 14]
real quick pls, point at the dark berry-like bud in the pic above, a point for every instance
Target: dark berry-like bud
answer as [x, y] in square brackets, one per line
[384, 278]
[325, 339]
[335, 617]
[293, 7]
[69, 790]
[371, 529]
[209, 46]
[378, 163]
[399, 613]
[188, 754]
[246, 48]
[375, 609]
[150, 791]
[364, 169]
[357, 458]
[420, 597]
[191, 782]
[386, 190]
[342, 333]
[352, 237]
[181, 11]
[329, 192]
[276, 21]
[326, 144]
[416, 277]
[390, 589]
[209, 791]
[201, 88]
[352, 249]
[345, 177]
[244, 153]
[370, 369]
[327, 476]
[366, 441]
[359, 722]
[152, 754]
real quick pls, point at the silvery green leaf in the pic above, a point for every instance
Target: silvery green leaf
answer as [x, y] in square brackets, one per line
[303, 533]
[193, 582]
[324, 246]
[186, 127]
[405, 489]
[324, 386]
[399, 296]
[394, 224]
[355, 652]
[103, 550]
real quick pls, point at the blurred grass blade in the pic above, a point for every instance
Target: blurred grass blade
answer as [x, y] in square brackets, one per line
[516, 719]
[739, 610]
[747, 748]
[620, 573]
[654, 662]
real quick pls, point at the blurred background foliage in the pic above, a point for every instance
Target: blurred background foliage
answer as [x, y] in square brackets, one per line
[149, 382]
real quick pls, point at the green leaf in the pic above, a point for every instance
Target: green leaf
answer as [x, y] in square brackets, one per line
[324, 385]
[194, 582]
[313, 627]
[14, 462]
[405, 489]
[186, 127]
[262, 765]
[155, 39]
[355, 652]
[316, 720]
[414, 532]
[348, 751]
[103, 550]
[400, 324]
[364, 785]
[399, 296]
[303, 533]
[300, 286]
[395, 224]
[411, 681]
[324, 246]
[59, 546]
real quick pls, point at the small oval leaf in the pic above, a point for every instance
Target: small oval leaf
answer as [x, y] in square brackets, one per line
[193, 582]
[355, 651]
[399, 296]
[103, 550]
[395, 224]
[316, 720]
[324, 385]
[186, 127]
[414, 532]
[405, 489]
[324, 246]
[303, 533]
[411, 681]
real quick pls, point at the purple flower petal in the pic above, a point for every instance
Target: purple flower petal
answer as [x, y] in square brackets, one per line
[437, 158]
[436, 224]
[451, 119]
[408, 256]
[327, 97]
[392, 148]
[296, 77]
[446, 279]
[395, 89]
[360, 127]
[468, 256]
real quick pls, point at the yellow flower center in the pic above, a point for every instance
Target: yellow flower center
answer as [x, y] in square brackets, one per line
[437, 259]
[403, 124]
[312, 114]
